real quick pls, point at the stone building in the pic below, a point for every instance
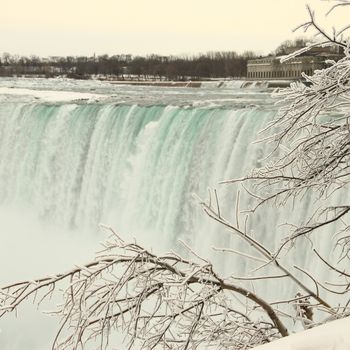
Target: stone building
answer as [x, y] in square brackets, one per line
[270, 67]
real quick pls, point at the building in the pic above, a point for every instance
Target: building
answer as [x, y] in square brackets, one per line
[270, 67]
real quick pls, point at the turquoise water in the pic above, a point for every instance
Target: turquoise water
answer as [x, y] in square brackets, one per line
[132, 167]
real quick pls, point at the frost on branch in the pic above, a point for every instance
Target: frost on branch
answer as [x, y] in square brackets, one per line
[311, 140]
[159, 301]
[310, 161]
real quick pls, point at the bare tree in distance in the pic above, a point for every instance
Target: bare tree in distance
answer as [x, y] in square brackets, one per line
[170, 302]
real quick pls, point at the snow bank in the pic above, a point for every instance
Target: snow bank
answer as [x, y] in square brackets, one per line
[334, 335]
[50, 96]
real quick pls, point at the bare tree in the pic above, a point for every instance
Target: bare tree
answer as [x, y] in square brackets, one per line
[312, 141]
[162, 301]
[176, 303]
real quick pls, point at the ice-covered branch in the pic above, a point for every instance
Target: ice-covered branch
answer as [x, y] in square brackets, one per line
[163, 301]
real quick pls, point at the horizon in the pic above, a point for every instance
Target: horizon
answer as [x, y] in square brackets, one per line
[82, 28]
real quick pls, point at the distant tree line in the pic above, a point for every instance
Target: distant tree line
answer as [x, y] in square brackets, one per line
[209, 65]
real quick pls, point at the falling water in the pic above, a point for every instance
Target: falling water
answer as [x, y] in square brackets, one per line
[133, 167]
[67, 166]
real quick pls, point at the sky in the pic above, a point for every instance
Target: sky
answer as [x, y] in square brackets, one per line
[140, 27]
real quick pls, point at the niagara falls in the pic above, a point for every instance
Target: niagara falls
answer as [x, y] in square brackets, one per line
[174, 176]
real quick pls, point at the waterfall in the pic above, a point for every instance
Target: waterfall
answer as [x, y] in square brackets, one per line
[132, 167]
[70, 166]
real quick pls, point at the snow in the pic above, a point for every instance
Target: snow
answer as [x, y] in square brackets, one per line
[334, 335]
[50, 96]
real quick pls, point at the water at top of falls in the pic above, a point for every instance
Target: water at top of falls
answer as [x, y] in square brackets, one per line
[57, 90]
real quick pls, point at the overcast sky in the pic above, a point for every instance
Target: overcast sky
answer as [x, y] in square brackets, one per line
[85, 27]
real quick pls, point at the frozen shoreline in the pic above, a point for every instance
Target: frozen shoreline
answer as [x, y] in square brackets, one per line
[50, 96]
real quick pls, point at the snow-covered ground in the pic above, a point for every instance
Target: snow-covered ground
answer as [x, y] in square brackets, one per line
[334, 335]
[50, 96]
